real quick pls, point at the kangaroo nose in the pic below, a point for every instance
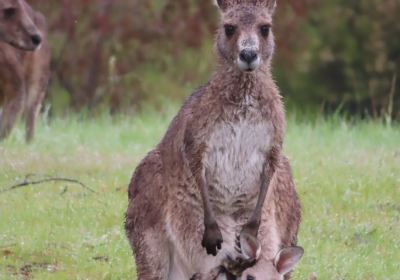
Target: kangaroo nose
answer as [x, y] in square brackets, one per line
[249, 277]
[248, 56]
[36, 39]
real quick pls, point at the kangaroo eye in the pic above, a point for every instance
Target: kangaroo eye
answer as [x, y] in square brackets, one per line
[264, 29]
[230, 30]
[9, 13]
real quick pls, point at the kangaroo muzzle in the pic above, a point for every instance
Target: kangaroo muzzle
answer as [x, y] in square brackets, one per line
[248, 59]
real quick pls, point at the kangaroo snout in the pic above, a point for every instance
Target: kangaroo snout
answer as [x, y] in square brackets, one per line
[248, 56]
[248, 60]
[36, 40]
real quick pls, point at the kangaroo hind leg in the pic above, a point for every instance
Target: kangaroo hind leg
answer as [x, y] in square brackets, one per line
[145, 222]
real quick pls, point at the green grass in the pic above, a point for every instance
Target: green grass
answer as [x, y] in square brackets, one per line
[347, 175]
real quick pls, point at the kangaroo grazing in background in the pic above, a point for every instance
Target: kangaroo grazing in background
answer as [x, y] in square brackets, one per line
[24, 65]
[216, 199]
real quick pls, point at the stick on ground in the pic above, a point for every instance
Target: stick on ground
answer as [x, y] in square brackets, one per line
[46, 180]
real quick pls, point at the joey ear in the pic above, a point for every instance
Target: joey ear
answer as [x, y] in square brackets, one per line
[250, 247]
[287, 258]
[222, 4]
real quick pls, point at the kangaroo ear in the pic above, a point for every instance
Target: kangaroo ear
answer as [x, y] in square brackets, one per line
[222, 4]
[250, 247]
[271, 5]
[287, 258]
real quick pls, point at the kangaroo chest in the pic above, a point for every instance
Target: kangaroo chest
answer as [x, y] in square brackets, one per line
[234, 159]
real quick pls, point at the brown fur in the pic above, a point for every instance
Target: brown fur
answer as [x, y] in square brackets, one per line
[177, 201]
[25, 67]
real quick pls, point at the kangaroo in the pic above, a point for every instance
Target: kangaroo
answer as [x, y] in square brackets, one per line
[282, 264]
[219, 174]
[25, 65]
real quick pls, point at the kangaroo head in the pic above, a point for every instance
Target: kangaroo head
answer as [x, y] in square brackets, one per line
[284, 262]
[17, 27]
[245, 39]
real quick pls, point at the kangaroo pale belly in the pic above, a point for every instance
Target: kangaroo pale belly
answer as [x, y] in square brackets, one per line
[235, 156]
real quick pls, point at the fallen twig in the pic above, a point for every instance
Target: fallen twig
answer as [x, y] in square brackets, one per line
[46, 180]
[7, 246]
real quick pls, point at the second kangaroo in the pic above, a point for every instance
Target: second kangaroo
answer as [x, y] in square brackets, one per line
[24, 65]
[203, 188]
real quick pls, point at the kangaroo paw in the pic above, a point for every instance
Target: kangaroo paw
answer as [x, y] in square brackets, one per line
[212, 240]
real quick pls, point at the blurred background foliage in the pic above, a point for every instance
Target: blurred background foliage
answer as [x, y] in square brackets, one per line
[122, 56]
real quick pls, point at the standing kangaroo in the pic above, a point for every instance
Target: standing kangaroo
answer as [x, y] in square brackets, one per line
[218, 177]
[24, 65]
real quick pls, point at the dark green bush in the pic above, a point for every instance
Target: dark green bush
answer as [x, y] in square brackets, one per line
[349, 58]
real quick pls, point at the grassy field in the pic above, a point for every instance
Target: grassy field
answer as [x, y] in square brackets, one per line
[347, 174]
